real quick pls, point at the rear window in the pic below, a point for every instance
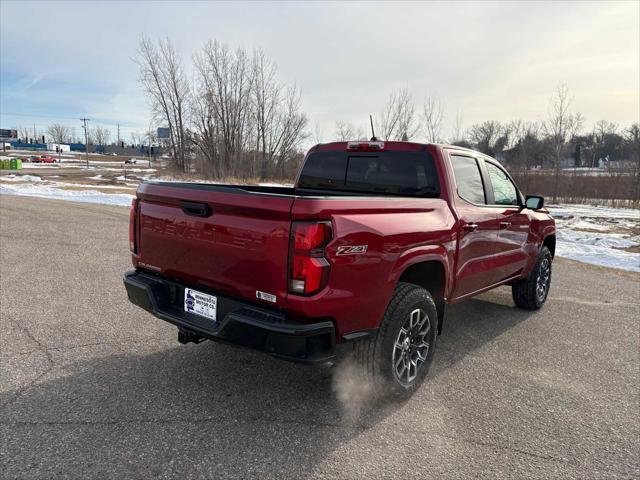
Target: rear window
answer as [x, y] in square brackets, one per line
[395, 173]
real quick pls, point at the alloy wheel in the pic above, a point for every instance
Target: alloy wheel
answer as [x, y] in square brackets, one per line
[411, 346]
[543, 280]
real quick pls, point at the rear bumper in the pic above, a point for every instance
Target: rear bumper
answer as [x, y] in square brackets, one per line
[237, 322]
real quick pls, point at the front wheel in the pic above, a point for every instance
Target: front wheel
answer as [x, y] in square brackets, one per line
[396, 361]
[531, 292]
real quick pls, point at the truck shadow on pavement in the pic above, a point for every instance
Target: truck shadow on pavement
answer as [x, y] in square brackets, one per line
[205, 410]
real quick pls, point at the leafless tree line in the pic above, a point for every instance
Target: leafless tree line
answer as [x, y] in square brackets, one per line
[399, 120]
[231, 114]
[60, 133]
[558, 143]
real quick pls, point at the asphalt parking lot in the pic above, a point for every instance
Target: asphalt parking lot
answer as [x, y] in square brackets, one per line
[91, 386]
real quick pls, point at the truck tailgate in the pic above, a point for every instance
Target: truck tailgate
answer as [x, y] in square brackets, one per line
[223, 238]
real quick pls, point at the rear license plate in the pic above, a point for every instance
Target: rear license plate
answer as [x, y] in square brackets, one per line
[200, 304]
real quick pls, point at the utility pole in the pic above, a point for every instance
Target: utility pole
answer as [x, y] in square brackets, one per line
[149, 145]
[118, 133]
[86, 139]
[35, 138]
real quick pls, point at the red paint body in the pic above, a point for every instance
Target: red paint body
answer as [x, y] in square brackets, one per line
[243, 246]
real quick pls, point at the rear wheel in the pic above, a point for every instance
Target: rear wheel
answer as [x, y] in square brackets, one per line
[532, 292]
[396, 361]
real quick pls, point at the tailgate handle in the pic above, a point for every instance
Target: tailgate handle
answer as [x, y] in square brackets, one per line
[196, 209]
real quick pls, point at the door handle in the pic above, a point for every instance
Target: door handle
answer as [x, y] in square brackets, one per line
[470, 227]
[505, 224]
[196, 209]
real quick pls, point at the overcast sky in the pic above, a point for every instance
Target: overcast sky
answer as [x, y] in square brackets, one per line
[489, 61]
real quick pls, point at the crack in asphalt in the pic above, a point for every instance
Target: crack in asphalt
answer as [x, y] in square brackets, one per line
[592, 303]
[74, 347]
[253, 419]
[22, 390]
[31, 337]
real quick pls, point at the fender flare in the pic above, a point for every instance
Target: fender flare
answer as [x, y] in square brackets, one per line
[424, 253]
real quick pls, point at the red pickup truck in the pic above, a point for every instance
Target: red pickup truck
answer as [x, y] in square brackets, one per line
[362, 254]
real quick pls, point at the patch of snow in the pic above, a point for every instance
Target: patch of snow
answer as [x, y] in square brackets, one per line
[589, 211]
[587, 225]
[83, 185]
[100, 162]
[85, 196]
[600, 245]
[29, 165]
[597, 251]
[20, 178]
[275, 184]
[95, 177]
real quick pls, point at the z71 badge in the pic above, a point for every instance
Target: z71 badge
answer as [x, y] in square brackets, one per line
[352, 250]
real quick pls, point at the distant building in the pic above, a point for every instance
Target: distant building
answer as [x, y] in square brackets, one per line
[7, 134]
[55, 147]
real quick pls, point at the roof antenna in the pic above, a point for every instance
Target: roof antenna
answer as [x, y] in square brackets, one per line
[373, 134]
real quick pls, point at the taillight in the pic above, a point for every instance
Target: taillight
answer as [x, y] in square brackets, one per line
[309, 269]
[133, 214]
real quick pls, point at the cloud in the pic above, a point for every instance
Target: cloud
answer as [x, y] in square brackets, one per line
[489, 61]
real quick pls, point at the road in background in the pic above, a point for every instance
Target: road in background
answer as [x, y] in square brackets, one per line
[92, 386]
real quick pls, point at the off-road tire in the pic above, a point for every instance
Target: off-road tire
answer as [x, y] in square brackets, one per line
[526, 292]
[375, 356]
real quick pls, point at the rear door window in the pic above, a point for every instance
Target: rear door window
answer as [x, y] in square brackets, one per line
[468, 179]
[324, 170]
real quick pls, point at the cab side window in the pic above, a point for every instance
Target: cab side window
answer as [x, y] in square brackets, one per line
[468, 179]
[504, 191]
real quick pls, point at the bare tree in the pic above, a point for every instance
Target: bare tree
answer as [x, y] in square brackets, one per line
[432, 118]
[58, 133]
[318, 133]
[604, 127]
[279, 122]
[525, 145]
[292, 127]
[560, 126]
[24, 133]
[243, 115]
[397, 120]
[165, 82]
[223, 105]
[346, 131]
[489, 137]
[458, 135]
[101, 135]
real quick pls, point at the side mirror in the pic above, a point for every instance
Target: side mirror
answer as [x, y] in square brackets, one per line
[534, 202]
